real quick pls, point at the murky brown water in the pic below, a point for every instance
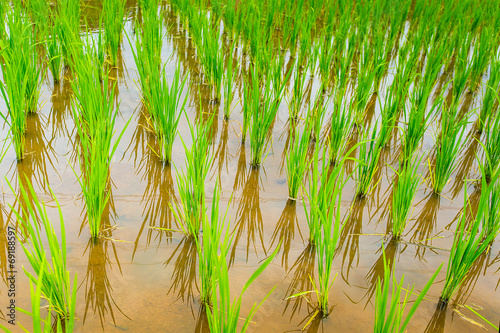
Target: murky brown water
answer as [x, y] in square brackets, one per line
[140, 279]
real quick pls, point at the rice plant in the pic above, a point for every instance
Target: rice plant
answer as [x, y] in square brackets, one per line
[69, 16]
[55, 284]
[297, 161]
[403, 194]
[95, 114]
[191, 182]
[389, 112]
[14, 94]
[215, 238]
[299, 83]
[492, 147]
[324, 220]
[389, 308]
[54, 49]
[113, 17]
[165, 105]
[447, 149]
[483, 50]
[224, 314]
[490, 98]
[469, 242]
[231, 70]
[368, 159]
[263, 113]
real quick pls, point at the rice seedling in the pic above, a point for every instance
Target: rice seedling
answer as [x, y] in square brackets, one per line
[224, 314]
[299, 83]
[324, 221]
[417, 120]
[211, 56]
[165, 105]
[54, 49]
[69, 16]
[341, 125]
[263, 112]
[491, 91]
[447, 148]
[368, 159]
[215, 236]
[297, 161]
[231, 69]
[389, 113]
[389, 309]
[95, 114]
[13, 93]
[113, 17]
[365, 86]
[191, 182]
[469, 242]
[492, 147]
[483, 51]
[403, 194]
[53, 276]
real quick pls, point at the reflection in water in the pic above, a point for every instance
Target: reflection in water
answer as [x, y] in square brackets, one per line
[184, 274]
[202, 325]
[478, 268]
[376, 272]
[284, 231]
[470, 209]
[290, 136]
[436, 325]
[425, 224]
[157, 200]
[98, 289]
[350, 235]
[465, 164]
[60, 101]
[303, 273]
[241, 169]
[248, 217]
[222, 156]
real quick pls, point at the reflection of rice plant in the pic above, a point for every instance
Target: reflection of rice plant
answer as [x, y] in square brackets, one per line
[403, 193]
[55, 284]
[228, 83]
[470, 239]
[389, 309]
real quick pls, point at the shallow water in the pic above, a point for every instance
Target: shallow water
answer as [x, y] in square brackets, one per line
[139, 279]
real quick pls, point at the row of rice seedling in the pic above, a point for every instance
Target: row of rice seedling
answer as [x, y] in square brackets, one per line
[51, 276]
[95, 113]
[472, 239]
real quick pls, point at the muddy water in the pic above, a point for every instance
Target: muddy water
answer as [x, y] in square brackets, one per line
[141, 279]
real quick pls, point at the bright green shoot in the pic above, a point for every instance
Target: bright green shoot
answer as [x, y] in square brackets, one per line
[55, 284]
[341, 123]
[113, 17]
[369, 155]
[54, 49]
[447, 149]
[490, 98]
[224, 314]
[165, 105]
[403, 194]
[470, 241]
[216, 237]
[95, 113]
[297, 161]
[190, 211]
[389, 308]
[492, 147]
[264, 111]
